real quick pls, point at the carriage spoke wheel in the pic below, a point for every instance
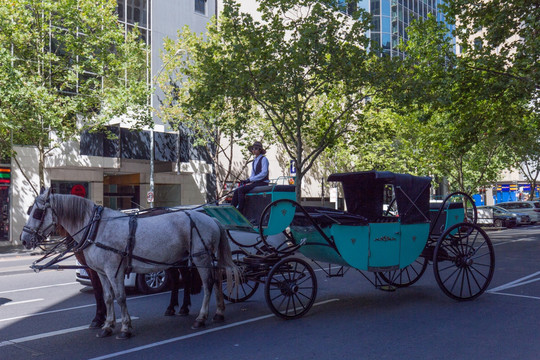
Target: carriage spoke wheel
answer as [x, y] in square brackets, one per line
[246, 288]
[406, 276]
[464, 261]
[291, 288]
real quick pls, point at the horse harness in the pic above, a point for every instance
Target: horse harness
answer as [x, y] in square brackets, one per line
[91, 232]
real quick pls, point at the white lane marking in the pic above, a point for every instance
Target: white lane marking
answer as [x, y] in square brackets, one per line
[518, 282]
[200, 333]
[37, 287]
[21, 302]
[511, 241]
[515, 295]
[49, 334]
[71, 308]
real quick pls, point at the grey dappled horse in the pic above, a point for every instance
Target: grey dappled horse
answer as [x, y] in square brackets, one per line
[159, 242]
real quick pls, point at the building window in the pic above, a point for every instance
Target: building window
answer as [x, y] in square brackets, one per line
[200, 6]
[71, 187]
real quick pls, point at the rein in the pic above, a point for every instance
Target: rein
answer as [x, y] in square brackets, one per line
[89, 235]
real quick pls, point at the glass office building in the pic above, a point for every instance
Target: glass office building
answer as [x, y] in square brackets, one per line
[392, 17]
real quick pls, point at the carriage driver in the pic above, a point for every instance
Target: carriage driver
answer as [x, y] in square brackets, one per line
[259, 175]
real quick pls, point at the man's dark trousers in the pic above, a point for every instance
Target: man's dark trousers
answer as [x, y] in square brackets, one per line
[239, 195]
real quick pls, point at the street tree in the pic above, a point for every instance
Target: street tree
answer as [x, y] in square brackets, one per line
[69, 61]
[211, 125]
[384, 140]
[304, 64]
[502, 38]
[465, 117]
[525, 151]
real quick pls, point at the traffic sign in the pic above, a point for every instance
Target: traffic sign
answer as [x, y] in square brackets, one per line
[292, 167]
[150, 196]
[78, 190]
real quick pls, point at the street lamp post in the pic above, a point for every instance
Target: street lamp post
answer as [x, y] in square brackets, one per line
[150, 194]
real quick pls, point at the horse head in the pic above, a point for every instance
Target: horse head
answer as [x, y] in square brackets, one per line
[41, 221]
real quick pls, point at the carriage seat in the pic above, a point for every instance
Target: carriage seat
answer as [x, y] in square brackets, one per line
[270, 188]
[384, 219]
[325, 217]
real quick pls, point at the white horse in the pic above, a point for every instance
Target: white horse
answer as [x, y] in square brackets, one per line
[112, 241]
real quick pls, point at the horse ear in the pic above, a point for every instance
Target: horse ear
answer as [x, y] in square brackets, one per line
[42, 190]
[48, 192]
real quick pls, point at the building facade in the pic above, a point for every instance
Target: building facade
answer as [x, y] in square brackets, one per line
[390, 19]
[120, 173]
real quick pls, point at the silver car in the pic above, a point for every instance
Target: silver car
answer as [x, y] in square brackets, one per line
[146, 283]
[521, 218]
[531, 208]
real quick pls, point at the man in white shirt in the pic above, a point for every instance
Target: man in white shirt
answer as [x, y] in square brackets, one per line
[259, 175]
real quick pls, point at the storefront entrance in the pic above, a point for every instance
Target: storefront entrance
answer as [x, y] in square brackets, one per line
[121, 192]
[5, 181]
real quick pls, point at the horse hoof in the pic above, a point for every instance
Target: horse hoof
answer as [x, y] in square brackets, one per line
[183, 312]
[169, 312]
[198, 324]
[124, 335]
[219, 318]
[104, 333]
[96, 324]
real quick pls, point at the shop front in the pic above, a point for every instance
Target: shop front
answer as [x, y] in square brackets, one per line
[5, 181]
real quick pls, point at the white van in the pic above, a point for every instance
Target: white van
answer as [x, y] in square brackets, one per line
[531, 208]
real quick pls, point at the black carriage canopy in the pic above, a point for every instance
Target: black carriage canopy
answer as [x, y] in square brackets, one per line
[364, 193]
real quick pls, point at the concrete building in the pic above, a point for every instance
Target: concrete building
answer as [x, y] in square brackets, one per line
[392, 17]
[117, 173]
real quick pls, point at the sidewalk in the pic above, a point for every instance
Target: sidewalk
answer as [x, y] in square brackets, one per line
[16, 250]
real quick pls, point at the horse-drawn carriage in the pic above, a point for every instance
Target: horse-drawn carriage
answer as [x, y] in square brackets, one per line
[389, 233]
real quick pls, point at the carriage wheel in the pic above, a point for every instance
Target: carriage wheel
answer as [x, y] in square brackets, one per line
[291, 288]
[246, 288]
[406, 276]
[464, 261]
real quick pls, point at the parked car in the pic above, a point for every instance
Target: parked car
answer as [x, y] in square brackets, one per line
[521, 218]
[531, 208]
[146, 283]
[488, 217]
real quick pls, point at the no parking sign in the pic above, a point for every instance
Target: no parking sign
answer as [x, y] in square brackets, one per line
[78, 190]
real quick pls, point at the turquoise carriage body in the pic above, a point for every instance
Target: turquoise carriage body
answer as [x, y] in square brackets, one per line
[256, 201]
[367, 237]
[394, 243]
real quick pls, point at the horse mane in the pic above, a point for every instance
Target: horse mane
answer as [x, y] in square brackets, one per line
[73, 209]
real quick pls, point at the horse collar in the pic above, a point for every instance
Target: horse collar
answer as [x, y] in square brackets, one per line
[91, 229]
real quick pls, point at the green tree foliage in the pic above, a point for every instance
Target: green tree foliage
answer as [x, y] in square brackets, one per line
[304, 64]
[65, 60]
[466, 117]
[215, 123]
[383, 141]
[503, 38]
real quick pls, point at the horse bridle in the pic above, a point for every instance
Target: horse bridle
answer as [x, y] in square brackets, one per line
[38, 234]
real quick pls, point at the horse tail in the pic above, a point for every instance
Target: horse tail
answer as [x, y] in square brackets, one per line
[225, 260]
[196, 282]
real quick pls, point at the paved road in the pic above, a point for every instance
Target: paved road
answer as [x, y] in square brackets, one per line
[45, 315]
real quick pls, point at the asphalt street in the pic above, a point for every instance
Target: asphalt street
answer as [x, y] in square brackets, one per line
[45, 316]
